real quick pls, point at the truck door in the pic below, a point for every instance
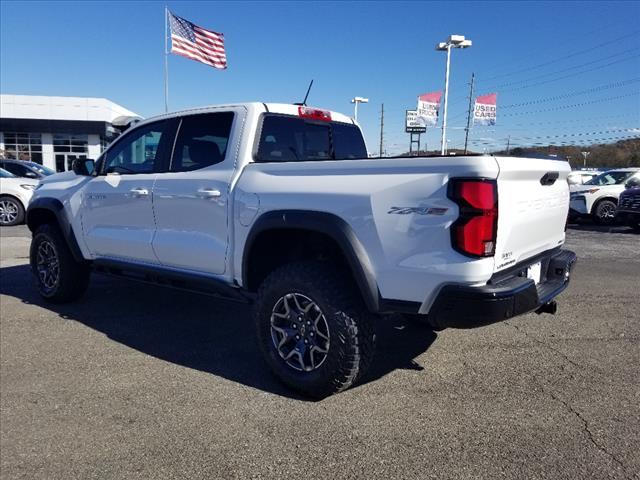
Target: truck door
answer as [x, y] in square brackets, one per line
[191, 199]
[117, 205]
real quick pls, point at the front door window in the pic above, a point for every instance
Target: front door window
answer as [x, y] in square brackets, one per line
[137, 152]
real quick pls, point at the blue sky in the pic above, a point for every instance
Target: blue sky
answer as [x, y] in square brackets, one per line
[585, 53]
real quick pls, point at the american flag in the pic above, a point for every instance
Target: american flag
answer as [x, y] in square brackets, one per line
[195, 42]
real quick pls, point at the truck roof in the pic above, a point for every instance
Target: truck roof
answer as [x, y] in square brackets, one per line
[281, 108]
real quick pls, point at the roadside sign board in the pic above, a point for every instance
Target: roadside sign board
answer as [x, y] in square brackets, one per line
[411, 123]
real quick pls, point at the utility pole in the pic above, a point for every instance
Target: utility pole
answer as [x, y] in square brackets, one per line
[466, 136]
[508, 143]
[381, 129]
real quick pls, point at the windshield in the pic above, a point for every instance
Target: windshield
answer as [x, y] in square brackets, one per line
[41, 169]
[5, 174]
[609, 178]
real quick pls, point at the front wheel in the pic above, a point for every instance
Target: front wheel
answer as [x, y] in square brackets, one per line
[313, 328]
[11, 211]
[59, 277]
[605, 213]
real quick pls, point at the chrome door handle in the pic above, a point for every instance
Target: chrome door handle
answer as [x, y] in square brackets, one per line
[208, 193]
[139, 192]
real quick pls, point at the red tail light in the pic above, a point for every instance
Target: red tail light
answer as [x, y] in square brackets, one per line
[314, 113]
[474, 233]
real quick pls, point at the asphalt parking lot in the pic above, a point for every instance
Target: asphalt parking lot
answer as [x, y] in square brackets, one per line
[136, 381]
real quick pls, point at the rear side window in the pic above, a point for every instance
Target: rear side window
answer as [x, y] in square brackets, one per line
[202, 141]
[348, 142]
[290, 139]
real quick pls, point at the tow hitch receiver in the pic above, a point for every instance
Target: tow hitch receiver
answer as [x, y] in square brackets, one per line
[550, 307]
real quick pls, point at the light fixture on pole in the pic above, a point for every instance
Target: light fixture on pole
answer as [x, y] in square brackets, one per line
[356, 101]
[454, 41]
[585, 155]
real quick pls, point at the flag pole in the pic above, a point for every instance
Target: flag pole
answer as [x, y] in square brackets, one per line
[166, 60]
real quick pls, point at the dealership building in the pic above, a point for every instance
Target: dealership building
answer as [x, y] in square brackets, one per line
[54, 131]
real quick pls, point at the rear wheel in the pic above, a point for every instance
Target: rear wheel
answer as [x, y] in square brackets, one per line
[605, 212]
[59, 277]
[11, 211]
[313, 328]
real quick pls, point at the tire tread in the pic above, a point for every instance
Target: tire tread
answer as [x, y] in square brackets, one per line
[359, 344]
[74, 276]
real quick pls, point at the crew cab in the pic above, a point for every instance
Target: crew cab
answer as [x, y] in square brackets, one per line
[279, 205]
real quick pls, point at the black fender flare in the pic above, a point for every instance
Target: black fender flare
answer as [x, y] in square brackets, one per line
[54, 206]
[332, 226]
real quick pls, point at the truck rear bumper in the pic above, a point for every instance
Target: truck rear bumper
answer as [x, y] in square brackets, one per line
[461, 306]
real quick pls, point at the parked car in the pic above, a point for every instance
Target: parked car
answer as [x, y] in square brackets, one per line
[598, 197]
[15, 193]
[578, 177]
[628, 211]
[278, 205]
[26, 169]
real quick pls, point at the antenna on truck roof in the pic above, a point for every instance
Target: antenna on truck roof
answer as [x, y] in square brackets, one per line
[304, 102]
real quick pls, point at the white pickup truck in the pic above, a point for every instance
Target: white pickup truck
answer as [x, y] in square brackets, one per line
[278, 205]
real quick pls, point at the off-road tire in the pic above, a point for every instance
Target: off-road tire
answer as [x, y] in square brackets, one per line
[72, 277]
[19, 218]
[351, 327]
[598, 214]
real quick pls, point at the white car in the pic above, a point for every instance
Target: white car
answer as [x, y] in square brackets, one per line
[578, 177]
[598, 197]
[279, 206]
[15, 193]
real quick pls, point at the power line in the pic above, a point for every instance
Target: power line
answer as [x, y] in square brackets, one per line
[600, 88]
[564, 57]
[563, 96]
[573, 67]
[635, 130]
[572, 120]
[535, 84]
[575, 105]
[576, 142]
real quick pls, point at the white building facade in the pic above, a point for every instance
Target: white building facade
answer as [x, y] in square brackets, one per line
[54, 131]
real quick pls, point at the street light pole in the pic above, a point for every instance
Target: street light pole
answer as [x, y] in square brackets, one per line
[454, 41]
[356, 101]
[443, 140]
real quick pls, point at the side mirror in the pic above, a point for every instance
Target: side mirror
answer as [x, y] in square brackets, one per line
[84, 166]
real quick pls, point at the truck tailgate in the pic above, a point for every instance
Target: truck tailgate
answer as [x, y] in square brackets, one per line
[533, 201]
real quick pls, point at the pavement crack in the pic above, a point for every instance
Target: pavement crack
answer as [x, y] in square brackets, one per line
[545, 345]
[586, 429]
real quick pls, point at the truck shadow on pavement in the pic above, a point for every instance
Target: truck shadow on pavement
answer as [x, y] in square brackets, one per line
[198, 331]
[593, 227]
